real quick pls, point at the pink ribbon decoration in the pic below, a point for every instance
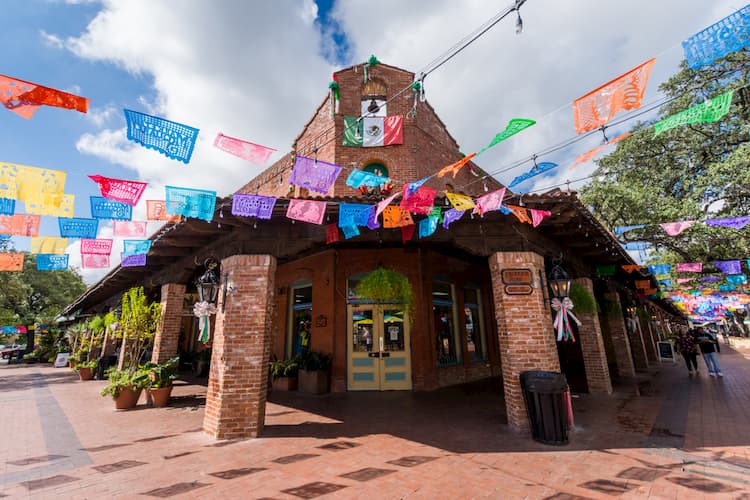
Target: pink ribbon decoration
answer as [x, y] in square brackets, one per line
[564, 310]
[128, 228]
[684, 280]
[420, 202]
[306, 210]
[119, 190]
[675, 228]
[690, 267]
[94, 261]
[537, 216]
[490, 201]
[98, 246]
[385, 203]
[249, 151]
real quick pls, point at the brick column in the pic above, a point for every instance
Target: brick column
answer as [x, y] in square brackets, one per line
[637, 344]
[592, 346]
[524, 326]
[168, 334]
[238, 380]
[618, 333]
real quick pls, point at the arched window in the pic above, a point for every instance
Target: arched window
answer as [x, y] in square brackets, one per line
[377, 169]
[373, 98]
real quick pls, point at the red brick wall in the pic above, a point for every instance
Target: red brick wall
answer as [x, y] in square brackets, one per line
[168, 335]
[238, 380]
[592, 346]
[427, 148]
[527, 341]
[619, 337]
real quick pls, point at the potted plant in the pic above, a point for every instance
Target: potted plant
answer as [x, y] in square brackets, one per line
[85, 369]
[72, 360]
[125, 387]
[386, 286]
[160, 380]
[313, 372]
[284, 374]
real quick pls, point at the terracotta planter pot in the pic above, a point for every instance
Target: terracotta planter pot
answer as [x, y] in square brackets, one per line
[85, 374]
[314, 382]
[72, 364]
[285, 384]
[127, 399]
[160, 396]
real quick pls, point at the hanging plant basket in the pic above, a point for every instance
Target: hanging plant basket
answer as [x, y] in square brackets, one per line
[582, 300]
[386, 286]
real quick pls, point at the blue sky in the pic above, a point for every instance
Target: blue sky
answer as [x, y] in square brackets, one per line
[258, 70]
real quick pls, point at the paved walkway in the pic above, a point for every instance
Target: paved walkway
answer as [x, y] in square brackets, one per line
[683, 437]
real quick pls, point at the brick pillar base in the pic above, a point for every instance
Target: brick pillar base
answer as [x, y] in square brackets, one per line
[620, 342]
[238, 380]
[524, 327]
[648, 341]
[168, 334]
[592, 346]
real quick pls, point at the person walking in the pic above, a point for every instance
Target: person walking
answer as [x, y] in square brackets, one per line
[707, 344]
[687, 347]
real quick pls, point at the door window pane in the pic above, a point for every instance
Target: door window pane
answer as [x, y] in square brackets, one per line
[393, 330]
[446, 344]
[362, 330]
[300, 319]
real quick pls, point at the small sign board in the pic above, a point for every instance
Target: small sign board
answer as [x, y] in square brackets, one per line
[518, 289]
[517, 276]
[666, 351]
[61, 361]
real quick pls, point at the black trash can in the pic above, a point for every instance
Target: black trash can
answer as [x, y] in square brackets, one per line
[544, 393]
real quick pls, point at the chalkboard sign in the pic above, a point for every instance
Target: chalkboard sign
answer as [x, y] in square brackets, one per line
[666, 351]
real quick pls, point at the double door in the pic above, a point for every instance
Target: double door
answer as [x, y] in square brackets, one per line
[379, 357]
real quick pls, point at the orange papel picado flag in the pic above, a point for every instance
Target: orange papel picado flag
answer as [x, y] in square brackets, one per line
[596, 108]
[24, 98]
[455, 167]
[11, 262]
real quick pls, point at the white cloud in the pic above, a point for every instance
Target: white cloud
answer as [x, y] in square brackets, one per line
[251, 71]
[254, 70]
[51, 40]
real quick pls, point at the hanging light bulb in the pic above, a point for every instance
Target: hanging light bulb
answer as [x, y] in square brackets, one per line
[519, 23]
[255, 225]
[485, 186]
[221, 213]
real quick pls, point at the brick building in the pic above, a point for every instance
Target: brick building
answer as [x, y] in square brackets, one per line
[284, 288]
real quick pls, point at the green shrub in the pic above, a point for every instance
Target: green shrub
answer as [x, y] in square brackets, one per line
[582, 300]
[313, 361]
[120, 379]
[284, 368]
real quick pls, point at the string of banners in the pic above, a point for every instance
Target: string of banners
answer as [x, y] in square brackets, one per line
[42, 190]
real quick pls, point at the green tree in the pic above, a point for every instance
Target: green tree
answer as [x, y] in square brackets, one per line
[31, 296]
[692, 172]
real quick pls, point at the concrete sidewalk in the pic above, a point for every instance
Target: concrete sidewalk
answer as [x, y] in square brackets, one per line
[682, 437]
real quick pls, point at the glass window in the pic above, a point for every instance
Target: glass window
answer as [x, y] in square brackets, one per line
[446, 344]
[475, 338]
[300, 316]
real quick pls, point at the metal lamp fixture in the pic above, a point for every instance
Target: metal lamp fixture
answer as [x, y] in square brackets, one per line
[207, 283]
[559, 282]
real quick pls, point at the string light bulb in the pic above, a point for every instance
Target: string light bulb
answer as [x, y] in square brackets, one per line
[519, 23]
[255, 225]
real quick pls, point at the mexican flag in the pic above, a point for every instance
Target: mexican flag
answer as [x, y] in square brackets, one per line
[373, 131]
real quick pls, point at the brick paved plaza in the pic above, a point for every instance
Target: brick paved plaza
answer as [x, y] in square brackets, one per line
[681, 438]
